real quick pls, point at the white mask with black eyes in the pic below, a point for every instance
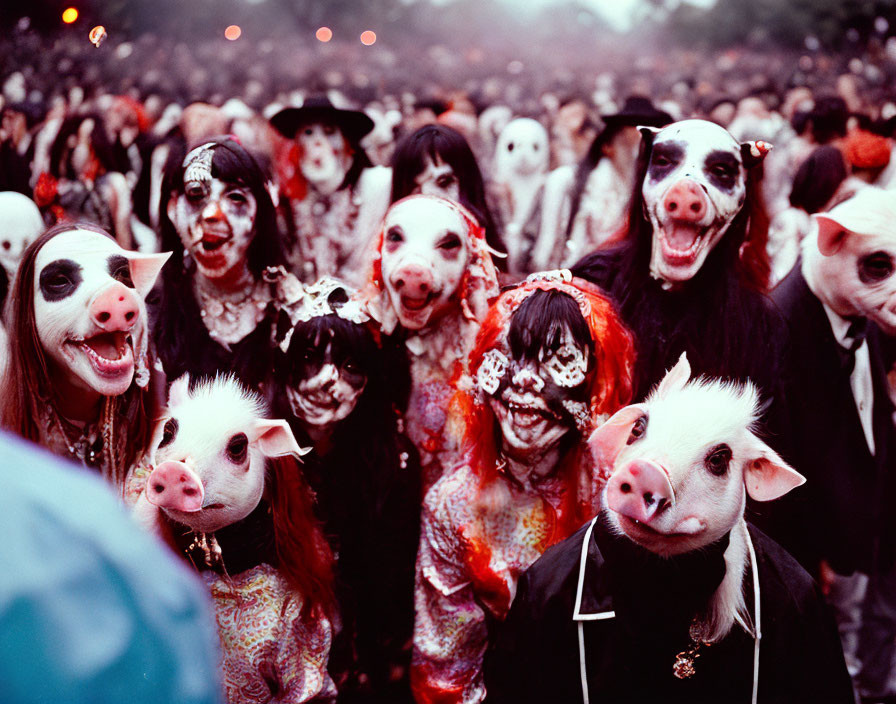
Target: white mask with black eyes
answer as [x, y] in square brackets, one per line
[694, 187]
[330, 394]
[20, 224]
[424, 256]
[536, 402]
[89, 309]
[854, 271]
[325, 158]
[215, 220]
[437, 179]
[522, 150]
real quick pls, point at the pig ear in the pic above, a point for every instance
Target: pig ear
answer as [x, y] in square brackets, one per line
[831, 234]
[145, 269]
[753, 153]
[768, 477]
[675, 378]
[275, 438]
[179, 391]
[608, 440]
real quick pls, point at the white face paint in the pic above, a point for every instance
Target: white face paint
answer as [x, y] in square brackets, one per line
[325, 159]
[328, 390]
[209, 454]
[522, 150]
[425, 254]
[216, 223]
[20, 225]
[82, 153]
[89, 310]
[437, 179]
[534, 401]
[694, 186]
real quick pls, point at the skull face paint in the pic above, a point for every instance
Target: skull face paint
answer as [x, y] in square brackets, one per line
[328, 388]
[325, 155]
[89, 310]
[438, 179]
[215, 220]
[522, 149]
[424, 256]
[694, 186]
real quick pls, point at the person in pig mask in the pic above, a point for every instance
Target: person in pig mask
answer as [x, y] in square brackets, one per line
[691, 274]
[668, 595]
[333, 195]
[552, 358]
[430, 285]
[834, 423]
[78, 377]
[214, 309]
[335, 385]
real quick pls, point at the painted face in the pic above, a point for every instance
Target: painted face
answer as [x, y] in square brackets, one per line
[537, 401]
[329, 386]
[424, 256]
[89, 310]
[437, 179]
[215, 220]
[325, 155]
[522, 149]
[695, 185]
[20, 224]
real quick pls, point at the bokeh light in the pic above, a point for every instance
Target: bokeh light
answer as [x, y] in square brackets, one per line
[368, 37]
[324, 34]
[233, 32]
[69, 15]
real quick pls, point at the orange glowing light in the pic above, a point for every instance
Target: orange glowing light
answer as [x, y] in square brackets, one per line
[69, 15]
[233, 32]
[324, 34]
[368, 37]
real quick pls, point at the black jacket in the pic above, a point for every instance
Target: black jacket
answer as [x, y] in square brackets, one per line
[839, 514]
[630, 643]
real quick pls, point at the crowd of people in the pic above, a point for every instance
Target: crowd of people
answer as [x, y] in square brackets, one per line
[341, 337]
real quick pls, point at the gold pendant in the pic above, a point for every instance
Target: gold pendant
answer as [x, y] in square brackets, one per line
[684, 663]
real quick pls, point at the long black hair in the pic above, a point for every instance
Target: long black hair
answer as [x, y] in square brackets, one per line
[181, 339]
[438, 142]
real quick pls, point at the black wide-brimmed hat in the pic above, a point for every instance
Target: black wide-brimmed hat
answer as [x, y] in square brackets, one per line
[318, 108]
[638, 110]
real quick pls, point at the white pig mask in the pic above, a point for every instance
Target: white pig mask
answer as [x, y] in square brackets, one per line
[210, 451]
[89, 309]
[20, 224]
[851, 265]
[681, 463]
[522, 150]
[694, 187]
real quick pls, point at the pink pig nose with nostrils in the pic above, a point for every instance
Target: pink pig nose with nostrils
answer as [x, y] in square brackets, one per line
[640, 490]
[174, 485]
[115, 309]
[685, 201]
[413, 281]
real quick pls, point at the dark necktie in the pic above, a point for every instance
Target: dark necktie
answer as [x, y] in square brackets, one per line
[855, 336]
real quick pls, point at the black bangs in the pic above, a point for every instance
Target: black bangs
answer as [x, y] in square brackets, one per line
[539, 322]
[236, 166]
[349, 341]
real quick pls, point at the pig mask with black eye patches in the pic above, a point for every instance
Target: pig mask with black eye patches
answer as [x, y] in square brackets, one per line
[89, 309]
[695, 185]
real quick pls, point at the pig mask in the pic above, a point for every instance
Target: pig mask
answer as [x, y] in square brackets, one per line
[215, 219]
[522, 150]
[209, 454]
[89, 309]
[851, 265]
[694, 187]
[679, 464]
[432, 258]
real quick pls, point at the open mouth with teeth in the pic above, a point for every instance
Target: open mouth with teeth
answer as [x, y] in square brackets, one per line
[414, 304]
[525, 416]
[682, 243]
[111, 354]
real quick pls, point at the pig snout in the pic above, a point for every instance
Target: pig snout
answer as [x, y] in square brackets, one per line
[174, 485]
[640, 490]
[413, 281]
[115, 309]
[685, 201]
